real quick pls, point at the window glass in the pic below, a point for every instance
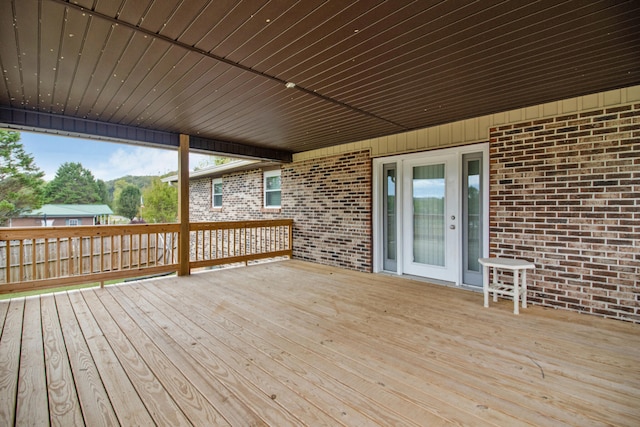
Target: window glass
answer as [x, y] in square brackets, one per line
[272, 194]
[216, 189]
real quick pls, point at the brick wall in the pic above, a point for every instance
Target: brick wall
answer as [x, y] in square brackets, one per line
[565, 194]
[328, 198]
[241, 198]
[330, 201]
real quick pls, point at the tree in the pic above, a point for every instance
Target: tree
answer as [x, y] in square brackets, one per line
[118, 186]
[21, 182]
[73, 184]
[103, 192]
[128, 202]
[160, 202]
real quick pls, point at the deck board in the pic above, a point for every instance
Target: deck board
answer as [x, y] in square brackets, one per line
[191, 401]
[10, 344]
[92, 395]
[152, 393]
[32, 401]
[63, 399]
[122, 393]
[295, 343]
[227, 366]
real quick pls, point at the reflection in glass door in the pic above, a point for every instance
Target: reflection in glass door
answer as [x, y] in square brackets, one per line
[428, 214]
[472, 218]
[390, 218]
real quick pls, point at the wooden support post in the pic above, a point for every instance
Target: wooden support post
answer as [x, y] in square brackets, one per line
[183, 205]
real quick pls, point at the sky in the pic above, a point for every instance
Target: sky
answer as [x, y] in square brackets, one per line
[106, 160]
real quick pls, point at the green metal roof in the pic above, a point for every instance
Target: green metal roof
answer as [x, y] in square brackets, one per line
[71, 210]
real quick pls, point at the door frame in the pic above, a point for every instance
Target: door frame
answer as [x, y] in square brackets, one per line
[400, 161]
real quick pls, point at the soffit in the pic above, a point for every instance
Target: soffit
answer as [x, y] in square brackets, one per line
[362, 69]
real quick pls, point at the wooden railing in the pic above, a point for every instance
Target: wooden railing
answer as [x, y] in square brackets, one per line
[45, 257]
[216, 243]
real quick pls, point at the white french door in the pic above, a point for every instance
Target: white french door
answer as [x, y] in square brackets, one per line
[430, 208]
[431, 214]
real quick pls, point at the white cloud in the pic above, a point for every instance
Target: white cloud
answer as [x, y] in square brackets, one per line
[140, 161]
[106, 160]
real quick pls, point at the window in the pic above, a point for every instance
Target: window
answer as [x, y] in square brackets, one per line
[73, 222]
[216, 192]
[272, 189]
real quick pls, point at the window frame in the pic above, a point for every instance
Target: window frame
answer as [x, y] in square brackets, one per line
[265, 176]
[215, 181]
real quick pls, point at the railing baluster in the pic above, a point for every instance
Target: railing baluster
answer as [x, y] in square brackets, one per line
[235, 241]
[34, 260]
[150, 246]
[130, 239]
[46, 258]
[210, 243]
[112, 253]
[21, 260]
[91, 251]
[8, 262]
[101, 254]
[58, 259]
[70, 256]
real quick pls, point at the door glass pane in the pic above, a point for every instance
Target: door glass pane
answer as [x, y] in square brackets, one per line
[428, 215]
[390, 227]
[473, 215]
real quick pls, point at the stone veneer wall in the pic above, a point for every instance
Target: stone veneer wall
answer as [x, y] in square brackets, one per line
[328, 198]
[565, 194]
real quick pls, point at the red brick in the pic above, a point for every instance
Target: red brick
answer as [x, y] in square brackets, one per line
[574, 208]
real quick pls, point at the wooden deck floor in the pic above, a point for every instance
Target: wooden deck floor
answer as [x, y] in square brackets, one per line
[293, 343]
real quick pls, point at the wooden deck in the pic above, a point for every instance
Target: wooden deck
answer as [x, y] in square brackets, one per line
[293, 343]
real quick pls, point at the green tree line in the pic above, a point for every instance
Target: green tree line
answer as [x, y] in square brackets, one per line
[23, 189]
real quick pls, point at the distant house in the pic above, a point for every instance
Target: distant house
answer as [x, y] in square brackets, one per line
[64, 215]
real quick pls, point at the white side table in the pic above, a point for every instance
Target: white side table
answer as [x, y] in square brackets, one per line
[517, 289]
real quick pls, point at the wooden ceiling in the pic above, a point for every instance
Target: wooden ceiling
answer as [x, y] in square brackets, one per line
[217, 69]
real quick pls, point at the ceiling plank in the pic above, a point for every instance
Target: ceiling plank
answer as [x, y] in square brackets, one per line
[216, 69]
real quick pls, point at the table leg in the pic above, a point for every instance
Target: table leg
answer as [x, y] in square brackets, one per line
[516, 293]
[495, 283]
[485, 285]
[524, 288]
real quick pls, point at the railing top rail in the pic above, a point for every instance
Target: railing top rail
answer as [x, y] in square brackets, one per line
[195, 226]
[22, 233]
